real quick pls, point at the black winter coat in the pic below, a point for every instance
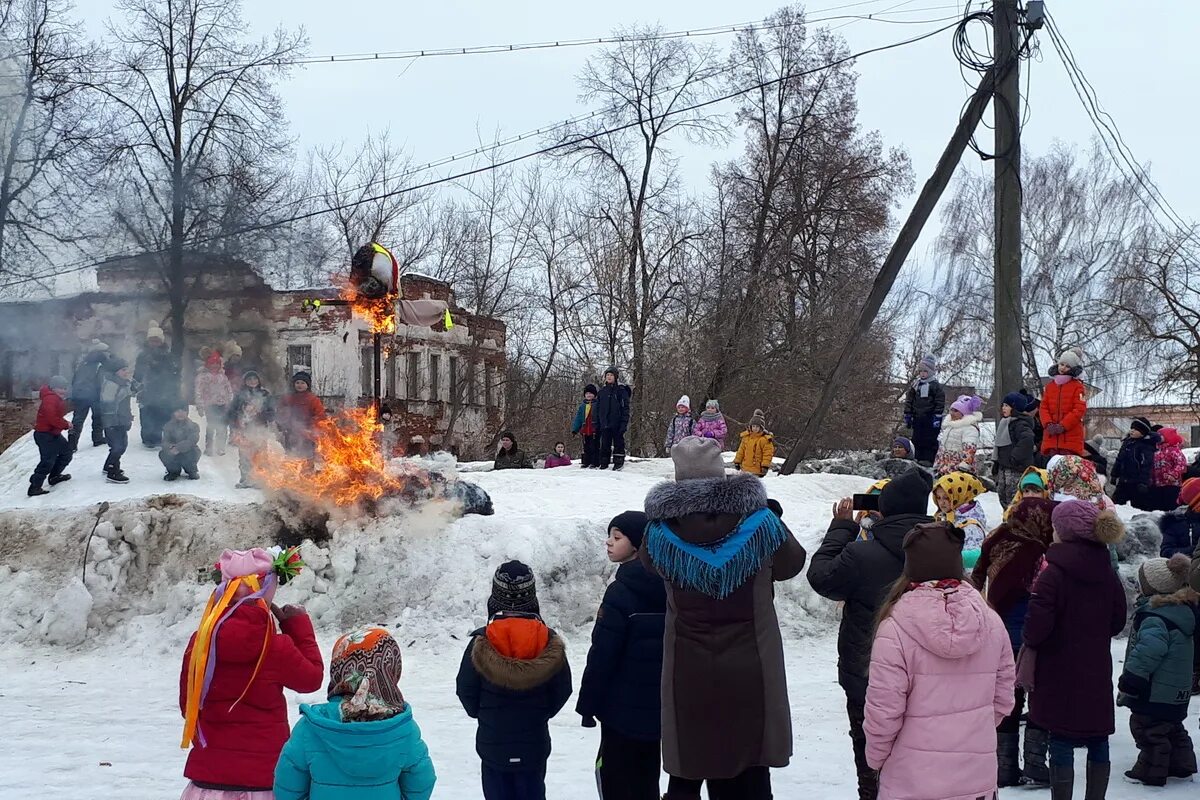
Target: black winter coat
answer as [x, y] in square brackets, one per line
[933, 406]
[1135, 462]
[611, 408]
[1096, 457]
[861, 573]
[85, 385]
[514, 701]
[621, 685]
[156, 372]
[1180, 532]
[1019, 455]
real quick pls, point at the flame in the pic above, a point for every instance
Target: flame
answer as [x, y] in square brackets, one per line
[379, 313]
[350, 472]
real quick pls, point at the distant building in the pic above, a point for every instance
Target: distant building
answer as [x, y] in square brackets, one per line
[445, 388]
[1113, 423]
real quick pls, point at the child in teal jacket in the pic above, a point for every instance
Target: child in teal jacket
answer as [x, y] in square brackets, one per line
[363, 744]
[1156, 683]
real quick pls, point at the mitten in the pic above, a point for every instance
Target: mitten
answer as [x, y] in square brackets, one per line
[937, 423]
[1055, 429]
[908, 421]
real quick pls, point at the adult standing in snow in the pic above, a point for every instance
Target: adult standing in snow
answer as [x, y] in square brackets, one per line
[156, 376]
[725, 713]
[85, 395]
[612, 418]
[923, 409]
[680, 426]
[1064, 403]
[213, 396]
[860, 572]
[116, 413]
[711, 424]
[53, 448]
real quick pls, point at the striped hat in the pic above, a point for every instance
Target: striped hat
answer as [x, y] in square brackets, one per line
[1189, 494]
[513, 590]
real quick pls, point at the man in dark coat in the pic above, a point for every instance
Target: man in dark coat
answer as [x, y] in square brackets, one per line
[1077, 605]
[924, 407]
[860, 573]
[85, 395]
[509, 455]
[725, 713]
[621, 686]
[612, 418]
[1133, 471]
[156, 376]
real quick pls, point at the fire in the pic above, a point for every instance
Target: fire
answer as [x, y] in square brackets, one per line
[379, 313]
[350, 470]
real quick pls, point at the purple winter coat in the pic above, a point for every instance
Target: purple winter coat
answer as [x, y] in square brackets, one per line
[1077, 606]
[711, 429]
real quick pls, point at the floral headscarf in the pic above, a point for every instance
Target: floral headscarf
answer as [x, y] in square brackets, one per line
[1075, 477]
[365, 672]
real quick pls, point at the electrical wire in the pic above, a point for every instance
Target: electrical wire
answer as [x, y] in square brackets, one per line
[258, 227]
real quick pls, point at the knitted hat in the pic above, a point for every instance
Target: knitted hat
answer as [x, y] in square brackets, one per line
[929, 363]
[616, 373]
[1164, 575]
[1017, 402]
[906, 494]
[758, 419]
[961, 487]
[97, 346]
[713, 404]
[303, 376]
[933, 552]
[364, 671]
[632, 524]
[116, 364]
[1189, 494]
[513, 589]
[1171, 437]
[1142, 425]
[906, 443]
[155, 332]
[697, 458]
[1073, 358]
[775, 507]
[58, 384]
[591, 387]
[1097, 441]
[1031, 402]
[684, 401]
[967, 404]
[1078, 520]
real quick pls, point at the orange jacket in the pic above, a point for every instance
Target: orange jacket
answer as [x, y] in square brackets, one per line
[1065, 404]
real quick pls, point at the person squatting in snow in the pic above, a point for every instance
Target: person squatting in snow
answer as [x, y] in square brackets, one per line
[54, 449]
[558, 458]
[180, 451]
[514, 678]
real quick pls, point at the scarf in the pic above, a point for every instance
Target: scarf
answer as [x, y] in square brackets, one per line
[1003, 439]
[717, 568]
[711, 416]
[941, 585]
[1063, 380]
[364, 671]
[1075, 477]
[1015, 550]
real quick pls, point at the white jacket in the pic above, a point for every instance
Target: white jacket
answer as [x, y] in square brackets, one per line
[956, 435]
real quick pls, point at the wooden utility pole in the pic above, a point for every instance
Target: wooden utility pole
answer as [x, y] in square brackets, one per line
[1007, 252]
[922, 209]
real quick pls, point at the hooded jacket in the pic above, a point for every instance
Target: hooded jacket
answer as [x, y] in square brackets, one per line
[251, 407]
[1063, 403]
[755, 453]
[513, 698]
[1169, 461]
[51, 413]
[611, 407]
[621, 684]
[328, 759]
[942, 678]
[85, 384]
[1157, 678]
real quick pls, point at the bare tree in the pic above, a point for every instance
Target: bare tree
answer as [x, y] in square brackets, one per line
[199, 129]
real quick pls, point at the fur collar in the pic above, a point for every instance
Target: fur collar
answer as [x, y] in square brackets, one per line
[968, 419]
[517, 674]
[1187, 596]
[739, 495]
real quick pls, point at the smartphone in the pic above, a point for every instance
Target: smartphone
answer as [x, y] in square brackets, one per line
[866, 502]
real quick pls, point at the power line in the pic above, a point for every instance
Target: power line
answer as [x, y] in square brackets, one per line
[509, 161]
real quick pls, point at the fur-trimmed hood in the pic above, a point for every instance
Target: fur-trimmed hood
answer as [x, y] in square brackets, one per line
[738, 495]
[1187, 596]
[516, 674]
[966, 421]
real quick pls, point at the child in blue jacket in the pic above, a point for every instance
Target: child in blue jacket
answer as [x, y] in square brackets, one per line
[585, 426]
[363, 744]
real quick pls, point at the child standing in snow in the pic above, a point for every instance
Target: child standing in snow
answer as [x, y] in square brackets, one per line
[1076, 606]
[363, 742]
[54, 450]
[1156, 683]
[1133, 471]
[235, 669]
[249, 415]
[935, 632]
[1016, 446]
[585, 427]
[1063, 406]
[955, 496]
[1169, 465]
[680, 426]
[299, 412]
[959, 437]
[116, 411]
[923, 408]
[757, 448]
[711, 424]
[513, 679]
[213, 396]
[621, 684]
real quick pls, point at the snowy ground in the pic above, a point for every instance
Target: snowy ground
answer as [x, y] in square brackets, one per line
[100, 719]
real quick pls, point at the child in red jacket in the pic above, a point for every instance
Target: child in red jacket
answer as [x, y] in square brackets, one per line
[1064, 404]
[299, 411]
[48, 429]
[234, 672]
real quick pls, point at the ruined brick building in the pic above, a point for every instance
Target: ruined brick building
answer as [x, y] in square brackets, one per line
[444, 387]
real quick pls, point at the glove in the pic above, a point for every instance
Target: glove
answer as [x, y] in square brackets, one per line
[1055, 429]
[908, 421]
[709, 435]
[589, 722]
[937, 423]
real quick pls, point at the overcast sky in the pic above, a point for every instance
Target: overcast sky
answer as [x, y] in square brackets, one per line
[1141, 57]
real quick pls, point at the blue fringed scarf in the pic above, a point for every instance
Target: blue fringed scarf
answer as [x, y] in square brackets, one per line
[719, 568]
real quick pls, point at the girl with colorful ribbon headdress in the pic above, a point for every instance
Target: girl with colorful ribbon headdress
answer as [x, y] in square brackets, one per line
[235, 669]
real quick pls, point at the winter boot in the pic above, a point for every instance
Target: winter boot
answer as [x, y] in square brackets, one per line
[117, 476]
[1136, 776]
[171, 476]
[57, 479]
[1008, 747]
[618, 462]
[1097, 780]
[193, 475]
[1062, 783]
[36, 491]
[1037, 741]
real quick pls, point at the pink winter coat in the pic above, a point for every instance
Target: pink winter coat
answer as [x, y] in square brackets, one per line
[941, 680]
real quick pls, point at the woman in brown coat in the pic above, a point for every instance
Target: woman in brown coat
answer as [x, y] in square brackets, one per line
[725, 713]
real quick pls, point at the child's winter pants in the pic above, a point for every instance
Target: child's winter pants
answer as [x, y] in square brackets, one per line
[1062, 750]
[612, 446]
[591, 451]
[187, 461]
[505, 785]
[1164, 748]
[55, 454]
[154, 417]
[118, 443]
[925, 440]
[628, 769]
[752, 784]
[1008, 481]
[216, 429]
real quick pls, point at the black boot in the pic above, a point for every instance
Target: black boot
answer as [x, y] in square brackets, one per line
[1037, 741]
[1062, 782]
[1008, 747]
[1097, 780]
[35, 490]
[57, 479]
